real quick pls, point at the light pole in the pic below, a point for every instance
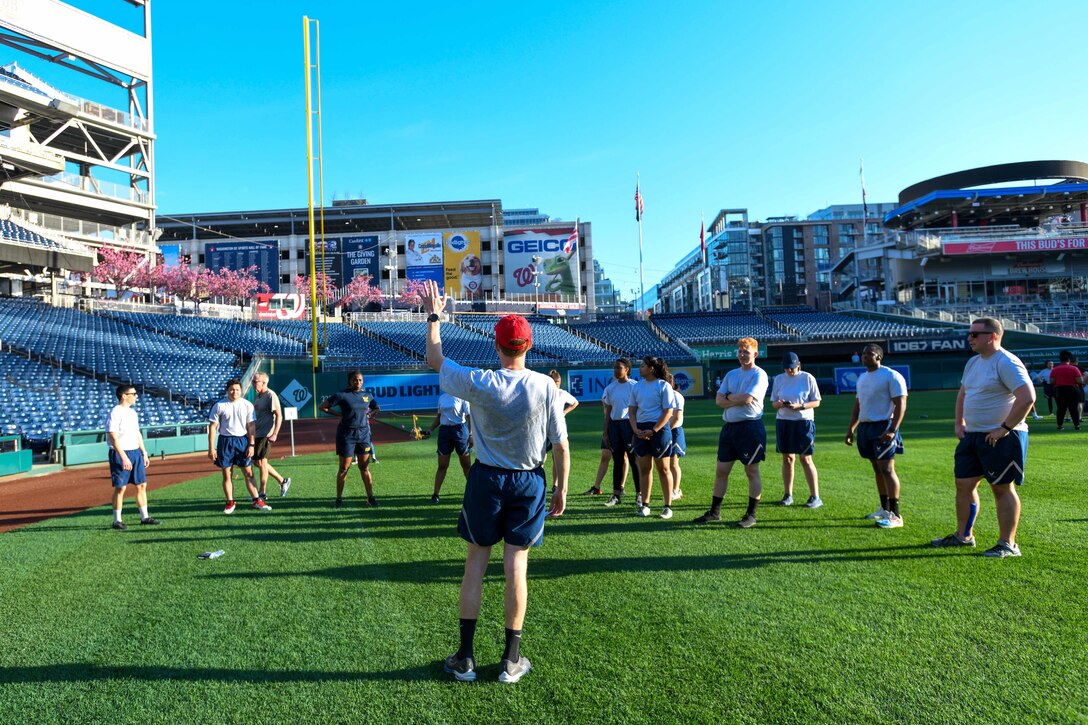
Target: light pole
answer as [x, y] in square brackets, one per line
[391, 267]
[537, 262]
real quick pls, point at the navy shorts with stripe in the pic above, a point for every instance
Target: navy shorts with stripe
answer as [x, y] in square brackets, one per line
[620, 437]
[795, 436]
[659, 445]
[231, 451]
[353, 442]
[453, 438]
[871, 447]
[1003, 462]
[679, 442]
[503, 505]
[744, 441]
[120, 477]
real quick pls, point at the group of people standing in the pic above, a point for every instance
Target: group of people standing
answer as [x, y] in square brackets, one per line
[1063, 386]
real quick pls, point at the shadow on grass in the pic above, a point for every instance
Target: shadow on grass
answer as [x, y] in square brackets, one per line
[86, 672]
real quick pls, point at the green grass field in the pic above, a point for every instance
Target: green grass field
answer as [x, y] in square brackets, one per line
[316, 614]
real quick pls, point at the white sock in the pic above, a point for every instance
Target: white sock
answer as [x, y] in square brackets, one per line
[117, 516]
[143, 512]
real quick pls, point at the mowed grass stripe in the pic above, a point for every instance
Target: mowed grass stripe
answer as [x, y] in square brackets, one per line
[318, 614]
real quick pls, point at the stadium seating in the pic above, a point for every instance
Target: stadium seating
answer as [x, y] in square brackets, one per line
[344, 342]
[634, 338]
[109, 347]
[807, 323]
[459, 344]
[16, 233]
[8, 76]
[215, 332]
[39, 399]
[718, 328]
[549, 339]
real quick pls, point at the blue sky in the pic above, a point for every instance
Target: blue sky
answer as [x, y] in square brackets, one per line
[557, 105]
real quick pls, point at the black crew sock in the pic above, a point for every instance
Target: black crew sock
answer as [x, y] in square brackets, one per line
[513, 641]
[884, 502]
[893, 506]
[752, 503]
[468, 632]
[716, 505]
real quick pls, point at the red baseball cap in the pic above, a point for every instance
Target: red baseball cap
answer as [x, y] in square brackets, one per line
[514, 333]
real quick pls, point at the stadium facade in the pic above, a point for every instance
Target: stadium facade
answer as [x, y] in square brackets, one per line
[77, 139]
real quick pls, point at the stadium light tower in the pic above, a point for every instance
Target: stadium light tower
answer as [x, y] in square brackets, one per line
[391, 267]
[537, 263]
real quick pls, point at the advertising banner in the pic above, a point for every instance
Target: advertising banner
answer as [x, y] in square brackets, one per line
[423, 256]
[928, 344]
[359, 257]
[464, 271]
[1014, 245]
[1029, 267]
[280, 306]
[589, 385]
[239, 255]
[846, 379]
[559, 262]
[407, 391]
[330, 265]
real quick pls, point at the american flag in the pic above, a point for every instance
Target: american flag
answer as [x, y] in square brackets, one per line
[702, 238]
[864, 201]
[638, 203]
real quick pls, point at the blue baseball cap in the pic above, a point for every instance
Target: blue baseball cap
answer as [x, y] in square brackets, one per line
[790, 361]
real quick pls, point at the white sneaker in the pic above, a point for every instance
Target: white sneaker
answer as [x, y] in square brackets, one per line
[666, 513]
[638, 501]
[892, 522]
[643, 511]
[614, 500]
[285, 486]
[880, 513]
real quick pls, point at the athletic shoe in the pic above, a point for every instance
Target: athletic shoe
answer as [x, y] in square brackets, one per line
[464, 670]
[638, 501]
[613, 500]
[814, 502]
[1038, 417]
[120, 525]
[285, 486]
[593, 491]
[643, 511]
[786, 501]
[747, 521]
[371, 501]
[892, 522]
[707, 518]
[953, 540]
[229, 507]
[1002, 550]
[666, 513]
[149, 521]
[262, 496]
[677, 495]
[338, 503]
[880, 513]
[261, 505]
[435, 499]
[511, 672]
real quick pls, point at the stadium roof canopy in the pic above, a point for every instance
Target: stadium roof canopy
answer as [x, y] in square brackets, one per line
[1005, 194]
[341, 218]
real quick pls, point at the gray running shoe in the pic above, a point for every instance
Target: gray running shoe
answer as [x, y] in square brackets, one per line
[613, 501]
[285, 486]
[786, 501]
[666, 513]
[953, 540]
[464, 670]
[1001, 550]
[747, 521]
[814, 502]
[511, 672]
[708, 517]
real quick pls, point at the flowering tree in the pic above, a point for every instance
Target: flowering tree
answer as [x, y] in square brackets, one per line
[302, 284]
[361, 292]
[238, 285]
[119, 268]
[411, 295]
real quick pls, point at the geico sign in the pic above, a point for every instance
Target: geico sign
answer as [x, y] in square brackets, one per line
[534, 246]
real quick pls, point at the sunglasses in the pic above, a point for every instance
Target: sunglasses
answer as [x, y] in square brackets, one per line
[973, 335]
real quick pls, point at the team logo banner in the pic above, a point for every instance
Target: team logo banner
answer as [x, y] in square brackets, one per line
[423, 256]
[558, 262]
[464, 270]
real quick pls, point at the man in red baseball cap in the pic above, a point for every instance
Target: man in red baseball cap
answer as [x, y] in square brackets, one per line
[515, 413]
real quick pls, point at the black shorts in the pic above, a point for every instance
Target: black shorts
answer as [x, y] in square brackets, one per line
[1003, 462]
[261, 447]
[744, 441]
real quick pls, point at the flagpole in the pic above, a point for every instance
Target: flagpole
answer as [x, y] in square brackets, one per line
[864, 235]
[578, 267]
[641, 275]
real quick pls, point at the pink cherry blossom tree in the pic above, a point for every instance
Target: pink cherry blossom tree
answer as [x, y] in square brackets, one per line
[360, 291]
[302, 284]
[119, 268]
[235, 284]
[411, 295]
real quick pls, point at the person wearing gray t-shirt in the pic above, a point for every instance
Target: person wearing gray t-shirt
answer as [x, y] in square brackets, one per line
[515, 412]
[878, 412]
[795, 395]
[995, 396]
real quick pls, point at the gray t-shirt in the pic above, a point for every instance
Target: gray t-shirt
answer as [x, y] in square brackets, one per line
[652, 398]
[514, 413]
[263, 406]
[875, 392]
[799, 388]
[751, 382]
[453, 410]
[988, 386]
[619, 396]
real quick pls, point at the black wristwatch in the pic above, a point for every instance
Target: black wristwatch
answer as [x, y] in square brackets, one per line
[1006, 427]
[433, 317]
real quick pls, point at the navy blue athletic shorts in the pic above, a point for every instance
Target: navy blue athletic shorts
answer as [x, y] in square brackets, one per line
[353, 442]
[120, 477]
[795, 436]
[620, 436]
[744, 441]
[231, 451]
[679, 442]
[453, 438]
[503, 505]
[869, 444]
[659, 445]
[1003, 462]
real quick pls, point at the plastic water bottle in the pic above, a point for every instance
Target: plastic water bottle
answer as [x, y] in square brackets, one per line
[211, 554]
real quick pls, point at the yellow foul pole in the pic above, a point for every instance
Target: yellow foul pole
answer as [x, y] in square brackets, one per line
[310, 185]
